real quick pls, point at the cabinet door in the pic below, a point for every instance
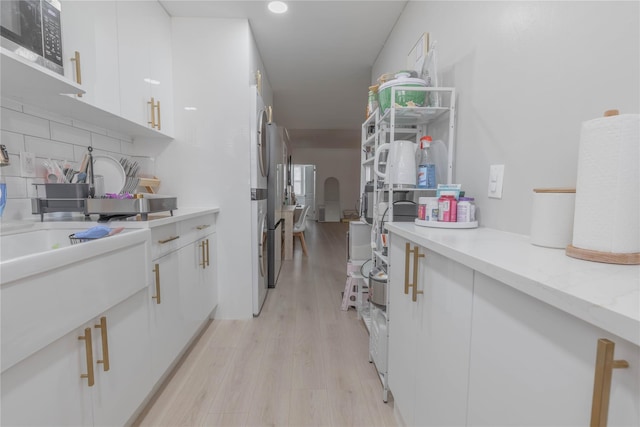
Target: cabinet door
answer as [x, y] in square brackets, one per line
[121, 390]
[403, 321]
[443, 341]
[144, 46]
[46, 389]
[192, 264]
[533, 364]
[91, 29]
[164, 313]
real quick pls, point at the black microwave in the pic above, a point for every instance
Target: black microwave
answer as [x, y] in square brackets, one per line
[32, 29]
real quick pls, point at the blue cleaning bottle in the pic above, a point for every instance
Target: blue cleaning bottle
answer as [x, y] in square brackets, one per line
[426, 167]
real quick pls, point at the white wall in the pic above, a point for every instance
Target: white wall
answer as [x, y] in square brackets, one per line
[527, 75]
[341, 163]
[209, 160]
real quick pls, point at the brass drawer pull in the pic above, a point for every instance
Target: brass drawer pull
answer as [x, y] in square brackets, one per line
[76, 59]
[105, 343]
[152, 104]
[88, 345]
[170, 239]
[203, 226]
[602, 382]
[416, 256]
[159, 115]
[156, 270]
[207, 243]
[407, 252]
[203, 264]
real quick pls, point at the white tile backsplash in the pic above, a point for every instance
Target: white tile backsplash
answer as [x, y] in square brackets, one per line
[45, 148]
[26, 124]
[16, 187]
[50, 136]
[13, 141]
[91, 128]
[10, 103]
[44, 114]
[69, 134]
[14, 166]
[106, 143]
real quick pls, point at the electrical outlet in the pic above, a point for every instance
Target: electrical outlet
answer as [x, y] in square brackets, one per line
[27, 164]
[496, 177]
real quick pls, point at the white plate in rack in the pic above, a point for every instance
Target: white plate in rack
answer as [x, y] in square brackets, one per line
[442, 224]
[112, 172]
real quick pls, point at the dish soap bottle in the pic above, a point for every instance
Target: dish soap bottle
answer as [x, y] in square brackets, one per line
[426, 167]
[3, 194]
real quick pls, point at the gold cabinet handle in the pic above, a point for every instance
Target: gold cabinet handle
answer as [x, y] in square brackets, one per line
[158, 125]
[203, 226]
[259, 81]
[88, 345]
[152, 103]
[203, 264]
[605, 364]
[407, 252]
[170, 239]
[416, 255]
[207, 243]
[156, 270]
[76, 59]
[269, 114]
[105, 343]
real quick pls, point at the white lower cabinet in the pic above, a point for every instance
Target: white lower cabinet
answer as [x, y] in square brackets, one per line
[183, 275]
[167, 338]
[534, 364]
[404, 318]
[474, 351]
[122, 389]
[429, 337]
[47, 388]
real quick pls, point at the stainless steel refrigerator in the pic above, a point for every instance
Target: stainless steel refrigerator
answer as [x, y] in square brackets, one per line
[276, 185]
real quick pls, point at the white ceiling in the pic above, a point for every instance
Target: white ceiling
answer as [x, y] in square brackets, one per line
[317, 57]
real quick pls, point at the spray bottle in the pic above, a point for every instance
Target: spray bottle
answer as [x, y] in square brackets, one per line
[426, 167]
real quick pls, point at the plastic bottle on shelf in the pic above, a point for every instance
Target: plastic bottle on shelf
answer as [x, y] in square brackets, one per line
[426, 167]
[466, 209]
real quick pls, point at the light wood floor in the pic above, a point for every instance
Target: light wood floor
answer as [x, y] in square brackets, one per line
[303, 362]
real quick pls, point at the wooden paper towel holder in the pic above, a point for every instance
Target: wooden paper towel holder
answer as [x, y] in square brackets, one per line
[606, 257]
[599, 256]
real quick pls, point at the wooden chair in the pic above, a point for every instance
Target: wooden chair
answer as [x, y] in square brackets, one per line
[299, 227]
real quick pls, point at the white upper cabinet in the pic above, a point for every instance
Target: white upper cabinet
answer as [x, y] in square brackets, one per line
[145, 64]
[90, 42]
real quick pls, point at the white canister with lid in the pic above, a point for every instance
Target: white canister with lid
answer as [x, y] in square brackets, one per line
[552, 217]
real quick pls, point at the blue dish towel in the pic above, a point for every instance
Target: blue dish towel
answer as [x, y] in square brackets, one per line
[94, 232]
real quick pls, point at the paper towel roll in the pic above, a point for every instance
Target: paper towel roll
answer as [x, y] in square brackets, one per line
[607, 208]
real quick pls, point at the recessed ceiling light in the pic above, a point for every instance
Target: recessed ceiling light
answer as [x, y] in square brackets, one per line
[278, 7]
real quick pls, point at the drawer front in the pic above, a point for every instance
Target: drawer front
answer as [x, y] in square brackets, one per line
[196, 228]
[165, 239]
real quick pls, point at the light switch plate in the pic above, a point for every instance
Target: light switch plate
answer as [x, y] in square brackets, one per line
[27, 164]
[496, 177]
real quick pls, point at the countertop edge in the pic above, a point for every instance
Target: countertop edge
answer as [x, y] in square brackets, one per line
[450, 244]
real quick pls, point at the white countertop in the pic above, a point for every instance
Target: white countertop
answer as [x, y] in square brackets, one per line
[605, 295]
[78, 221]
